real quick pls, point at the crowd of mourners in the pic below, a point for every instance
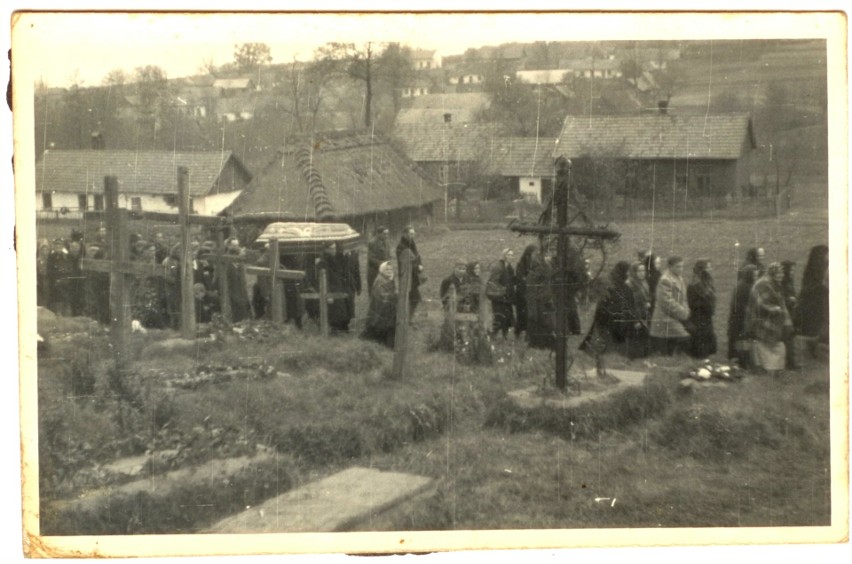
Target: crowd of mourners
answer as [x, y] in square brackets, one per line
[645, 309]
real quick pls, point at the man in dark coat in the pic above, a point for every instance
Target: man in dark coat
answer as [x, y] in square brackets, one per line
[701, 298]
[455, 280]
[378, 251]
[500, 289]
[406, 242]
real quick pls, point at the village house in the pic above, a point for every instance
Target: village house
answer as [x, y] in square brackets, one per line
[527, 164]
[349, 176]
[71, 182]
[545, 76]
[227, 87]
[709, 156]
[450, 153]
[417, 86]
[424, 59]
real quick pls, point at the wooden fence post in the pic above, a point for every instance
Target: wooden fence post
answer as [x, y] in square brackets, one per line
[323, 301]
[222, 276]
[277, 285]
[402, 316]
[187, 310]
[119, 295]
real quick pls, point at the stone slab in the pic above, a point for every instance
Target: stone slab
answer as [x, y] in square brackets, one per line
[530, 398]
[341, 502]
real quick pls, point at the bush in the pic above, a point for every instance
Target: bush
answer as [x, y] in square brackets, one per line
[319, 445]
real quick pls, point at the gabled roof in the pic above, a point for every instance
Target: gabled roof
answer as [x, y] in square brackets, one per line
[138, 172]
[523, 156]
[466, 101]
[437, 142]
[656, 136]
[334, 175]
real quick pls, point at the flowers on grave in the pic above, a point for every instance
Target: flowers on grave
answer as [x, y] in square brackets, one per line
[707, 370]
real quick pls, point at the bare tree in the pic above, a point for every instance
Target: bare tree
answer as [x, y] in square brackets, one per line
[250, 56]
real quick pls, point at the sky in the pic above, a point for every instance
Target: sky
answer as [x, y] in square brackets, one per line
[61, 48]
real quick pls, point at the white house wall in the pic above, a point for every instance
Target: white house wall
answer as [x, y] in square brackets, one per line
[530, 185]
[204, 205]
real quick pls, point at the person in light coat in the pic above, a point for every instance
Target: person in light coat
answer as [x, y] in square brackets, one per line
[668, 330]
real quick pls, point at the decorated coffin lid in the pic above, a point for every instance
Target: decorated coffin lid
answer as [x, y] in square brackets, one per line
[309, 236]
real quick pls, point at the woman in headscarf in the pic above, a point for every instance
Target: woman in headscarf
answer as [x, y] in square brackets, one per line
[381, 314]
[501, 292]
[638, 340]
[701, 298]
[812, 317]
[521, 271]
[768, 321]
[739, 342]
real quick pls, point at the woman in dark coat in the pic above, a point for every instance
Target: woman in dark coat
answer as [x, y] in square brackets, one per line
[701, 299]
[238, 294]
[812, 318]
[342, 278]
[541, 308]
[521, 271]
[407, 242]
[638, 341]
[381, 314]
[788, 289]
[739, 345]
[501, 291]
[472, 287]
[653, 270]
[148, 305]
[614, 315]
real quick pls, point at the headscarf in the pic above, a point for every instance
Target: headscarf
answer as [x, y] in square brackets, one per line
[618, 274]
[386, 269]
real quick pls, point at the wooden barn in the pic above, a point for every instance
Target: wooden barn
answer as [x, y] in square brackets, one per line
[70, 182]
[704, 156]
[348, 177]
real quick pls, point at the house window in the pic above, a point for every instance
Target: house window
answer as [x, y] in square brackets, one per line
[136, 203]
[47, 200]
[82, 202]
[532, 183]
[99, 202]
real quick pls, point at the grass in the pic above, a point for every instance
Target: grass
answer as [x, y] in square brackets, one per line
[753, 453]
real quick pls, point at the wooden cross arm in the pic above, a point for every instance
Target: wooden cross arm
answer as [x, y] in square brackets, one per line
[595, 232]
[125, 267]
[280, 274]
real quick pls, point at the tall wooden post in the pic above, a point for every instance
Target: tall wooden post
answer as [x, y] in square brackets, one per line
[402, 316]
[187, 310]
[323, 300]
[119, 294]
[222, 277]
[560, 201]
[277, 284]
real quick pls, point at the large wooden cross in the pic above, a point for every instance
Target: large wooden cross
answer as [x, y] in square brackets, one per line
[278, 275]
[563, 231]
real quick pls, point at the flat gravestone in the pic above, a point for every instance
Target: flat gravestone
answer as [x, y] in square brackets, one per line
[344, 501]
[590, 390]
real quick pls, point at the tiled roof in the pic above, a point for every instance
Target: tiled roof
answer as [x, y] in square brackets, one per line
[422, 54]
[436, 142]
[656, 136]
[522, 156]
[138, 172]
[466, 101]
[336, 175]
[416, 115]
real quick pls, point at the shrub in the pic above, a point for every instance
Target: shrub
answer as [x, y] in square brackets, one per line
[319, 445]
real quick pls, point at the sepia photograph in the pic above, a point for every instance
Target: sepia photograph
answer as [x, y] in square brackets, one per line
[374, 282]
